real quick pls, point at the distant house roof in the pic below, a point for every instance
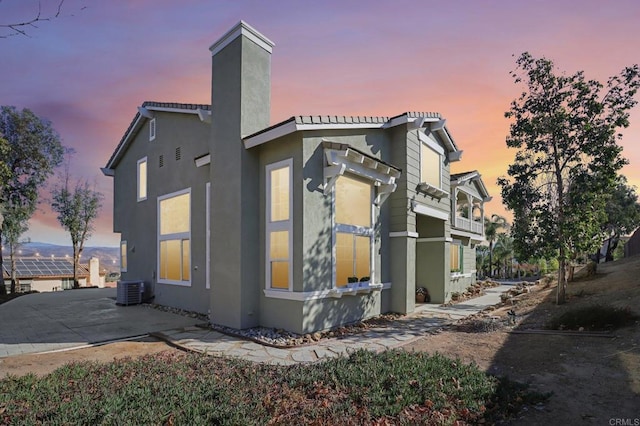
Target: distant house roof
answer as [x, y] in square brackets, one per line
[43, 268]
[146, 111]
[473, 175]
[332, 122]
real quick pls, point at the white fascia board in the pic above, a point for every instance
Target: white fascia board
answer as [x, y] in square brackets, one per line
[269, 135]
[242, 28]
[435, 240]
[467, 177]
[134, 129]
[292, 126]
[465, 234]
[145, 112]
[455, 156]
[403, 119]
[444, 134]
[430, 143]
[204, 115]
[108, 172]
[339, 126]
[178, 110]
[408, 234]
[420, 208]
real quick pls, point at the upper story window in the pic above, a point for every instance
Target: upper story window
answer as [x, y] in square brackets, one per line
[152, 129]
[430, 165]
[279, 226]
[174, 238]
[353, 230]
[142, 179]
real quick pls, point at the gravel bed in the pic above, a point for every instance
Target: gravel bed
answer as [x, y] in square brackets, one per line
[283, 338]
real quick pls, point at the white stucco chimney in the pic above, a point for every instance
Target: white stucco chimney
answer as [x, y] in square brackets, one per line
[94, 272]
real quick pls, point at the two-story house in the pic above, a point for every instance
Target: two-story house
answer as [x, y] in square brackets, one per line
[304, 225]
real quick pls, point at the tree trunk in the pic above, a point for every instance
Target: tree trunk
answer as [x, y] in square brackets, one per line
[561, 294]
[3, 288]
[13, 273]
[76, 284]
[490, 259]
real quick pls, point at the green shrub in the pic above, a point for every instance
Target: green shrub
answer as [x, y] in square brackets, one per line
[398, 386]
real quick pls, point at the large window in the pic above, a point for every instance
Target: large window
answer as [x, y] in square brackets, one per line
[279, 238]
[430, 166]
[455, 256]
[174, 238]
[123, 256]
[353, 231]
[142, 179]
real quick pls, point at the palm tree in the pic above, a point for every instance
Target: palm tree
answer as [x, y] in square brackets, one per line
[503, 249]
[491, 227]
[482, 257]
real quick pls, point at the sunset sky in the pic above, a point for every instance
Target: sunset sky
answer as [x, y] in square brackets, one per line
[89, 69]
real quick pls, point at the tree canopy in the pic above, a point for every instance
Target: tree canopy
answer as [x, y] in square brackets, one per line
[32, 151]
[565, 129]
[622, 210]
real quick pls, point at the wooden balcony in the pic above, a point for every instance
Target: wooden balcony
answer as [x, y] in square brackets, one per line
[468, 225]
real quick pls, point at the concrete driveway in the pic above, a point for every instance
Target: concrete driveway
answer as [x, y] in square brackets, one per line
[44, 322]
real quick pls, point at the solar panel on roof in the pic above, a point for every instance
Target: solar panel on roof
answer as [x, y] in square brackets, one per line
[43, 267]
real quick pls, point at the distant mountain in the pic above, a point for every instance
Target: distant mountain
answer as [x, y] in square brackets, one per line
[109, 257]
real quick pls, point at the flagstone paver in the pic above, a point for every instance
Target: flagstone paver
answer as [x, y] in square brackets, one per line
[425, 320]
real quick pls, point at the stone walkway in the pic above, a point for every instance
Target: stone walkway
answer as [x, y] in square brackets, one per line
[426, 319]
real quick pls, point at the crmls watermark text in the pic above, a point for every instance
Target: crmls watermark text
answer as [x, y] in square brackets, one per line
[624, 422]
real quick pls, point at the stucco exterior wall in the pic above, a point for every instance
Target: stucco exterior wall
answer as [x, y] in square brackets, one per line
[312, 225]
[54, 284]
[137, 220]
[240, 100]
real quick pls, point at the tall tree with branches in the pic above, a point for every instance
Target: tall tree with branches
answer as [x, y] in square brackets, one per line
[565, 129]
[492, 227]
[32, 151]
[77, 207]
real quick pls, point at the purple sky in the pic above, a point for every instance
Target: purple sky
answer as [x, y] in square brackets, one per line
[89, 69]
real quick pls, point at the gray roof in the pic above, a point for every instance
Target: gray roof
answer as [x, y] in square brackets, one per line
[344, 119]
[151, 104]
[456, 176]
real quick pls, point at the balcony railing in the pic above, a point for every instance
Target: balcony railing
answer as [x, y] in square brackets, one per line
[468, 225]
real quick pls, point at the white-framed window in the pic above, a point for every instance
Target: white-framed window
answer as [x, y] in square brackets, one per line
[352, 230]
[431, 155]
[430, 166]
[455, 256]
[279, 225]
[152, 129]
[142, 179]
[123, 256]
[174, 238]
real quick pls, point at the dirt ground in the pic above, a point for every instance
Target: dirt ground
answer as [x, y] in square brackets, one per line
[593, 380]
[45, 363]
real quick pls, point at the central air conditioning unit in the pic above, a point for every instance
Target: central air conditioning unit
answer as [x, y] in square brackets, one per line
[129, 292]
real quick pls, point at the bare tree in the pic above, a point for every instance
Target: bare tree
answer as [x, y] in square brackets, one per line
[22, 26]
[77, 209]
